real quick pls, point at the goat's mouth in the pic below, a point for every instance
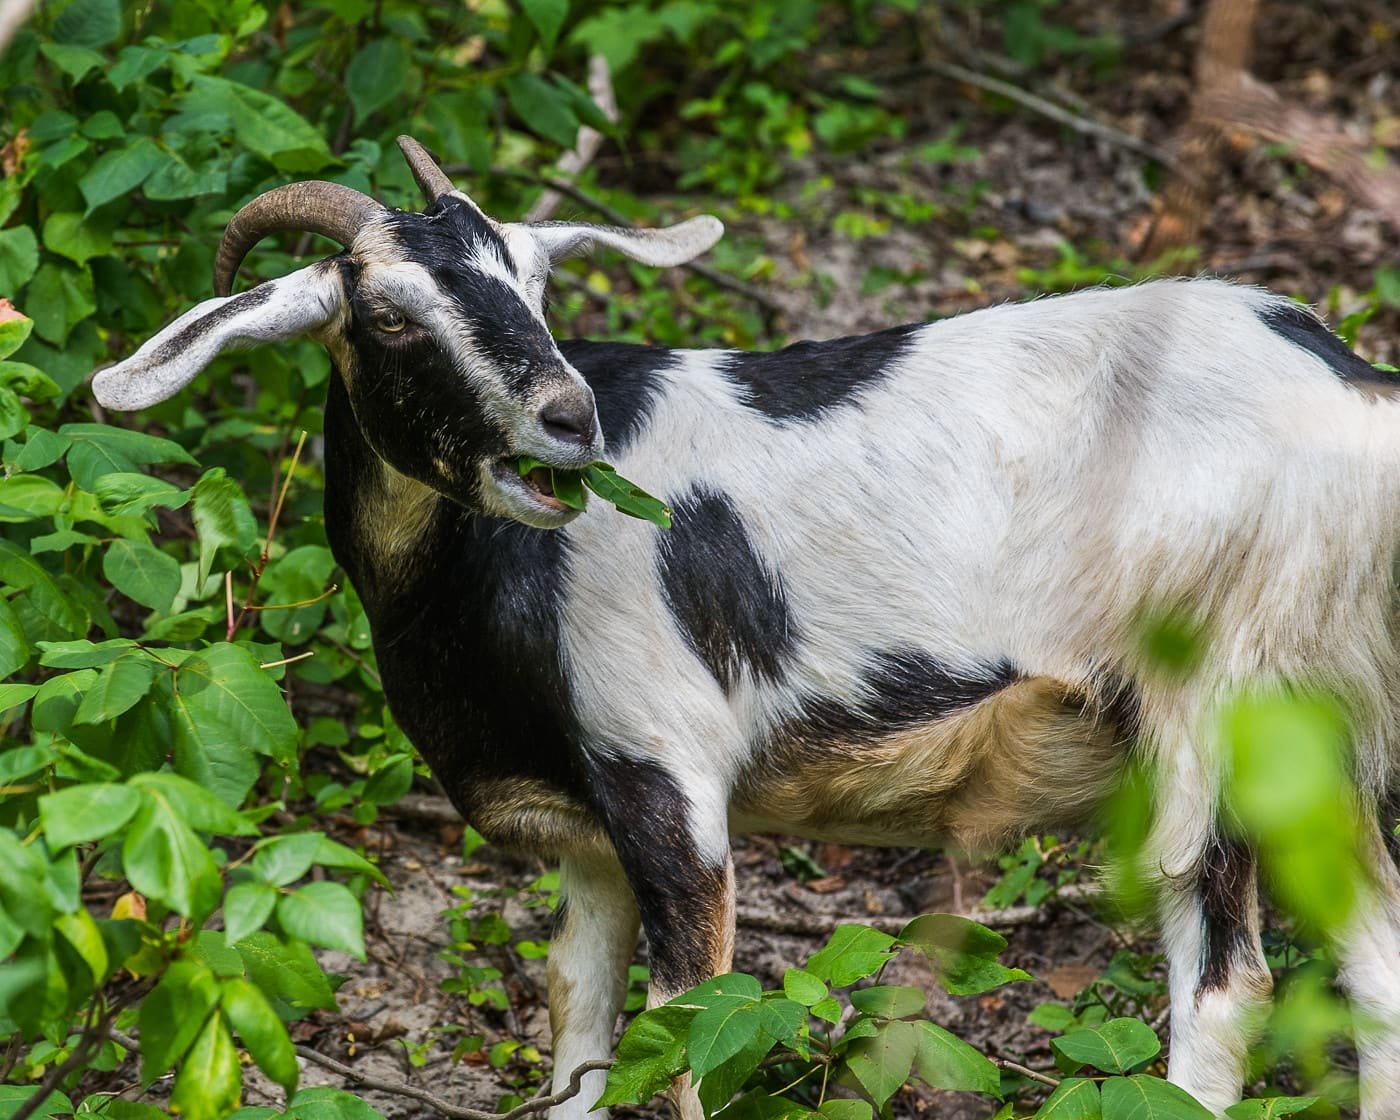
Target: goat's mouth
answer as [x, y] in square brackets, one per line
[531, 491]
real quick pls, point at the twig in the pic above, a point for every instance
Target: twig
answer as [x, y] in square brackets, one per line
[572, 163]
[447, 1108]
[267, 544]
[93, 1036]
[1016, 1067]
[821, 925]
[617, 218]
[1087, 126]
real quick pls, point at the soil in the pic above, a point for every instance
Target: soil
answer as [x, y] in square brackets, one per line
[1031, 189]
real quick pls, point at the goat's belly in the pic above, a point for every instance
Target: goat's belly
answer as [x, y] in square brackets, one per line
[1032, 756]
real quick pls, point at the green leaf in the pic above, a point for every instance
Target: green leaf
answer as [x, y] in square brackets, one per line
[838, 1109]
[852, 953]
[1149, 1098]
[325, 914]
[19, 258]
[331, 854]
[142, 572]
[286, 971]
[196, 806]
[222, 519]
[60, 297]
[99, 449]
[543, 108]
[945, 1061]
[1075, 1098]
[963, 953]
[71, 235]
[13, 1096]
[119, 687]
[321, 1103]
[881, 1062]
[1115, 1047]
[225, 684]
[76, 62]
[89, 23]
[261, 123]
[650, 1053]
[721, 1030]
[628, 497]
[29, 497]
[210, 1080]
[376, 76]
[13, 415]
[83, 654]
[166, 861]
[263, 1034]
[119, 172]
[134, 63]
[802, 986]
[82, 933]
[172, 1015]
[1267, 1108]
[280, 860]
[42, 448]
[247, 906]
[14, 646]
[548, 17]
[127, 492]
[889, 1002]
[86, 812]
[21, 570]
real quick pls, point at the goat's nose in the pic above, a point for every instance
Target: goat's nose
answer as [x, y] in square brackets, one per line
[569, 421]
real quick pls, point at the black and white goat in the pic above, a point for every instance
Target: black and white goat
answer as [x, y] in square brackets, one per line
[899, 603]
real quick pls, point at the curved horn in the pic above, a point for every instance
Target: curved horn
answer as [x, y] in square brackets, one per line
[330, 209]
[431, 179]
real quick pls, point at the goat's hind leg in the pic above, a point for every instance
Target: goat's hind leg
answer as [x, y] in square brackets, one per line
[594, 938]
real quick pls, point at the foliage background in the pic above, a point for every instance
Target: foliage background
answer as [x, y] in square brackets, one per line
[165, 818]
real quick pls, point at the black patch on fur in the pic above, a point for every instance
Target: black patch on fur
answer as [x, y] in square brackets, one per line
[626, 381]
[560, 919]
[808, 379]
[905, 688]
[467, 634]
[1227, 870]
[730, 607]
[679, 896]
[1302, 328]
[175, 346]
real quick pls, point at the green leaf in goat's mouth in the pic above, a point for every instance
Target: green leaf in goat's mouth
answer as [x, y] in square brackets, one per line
[567, 486]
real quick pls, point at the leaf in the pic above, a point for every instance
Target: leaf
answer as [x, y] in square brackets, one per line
[128, 492]
[263, 1034]
[1149, 1098]
[143, 573]
[1115, 1047]
[628, 497]
[222, 518]
[881, 1063]
[838, 1109]
[99, 449]
[1075, 1098]
[1267, 1108]
[166, 861]
[210, 1080]
[963, 953]
[247, 906]
[76, 62]
[287, 973]
[196, 806]
[21, 570]
[172, 1015]
[261, 123]
[29, 497]
[721, 1030]
[83, 654]
[331, 854]
[376, 76]
[71, 235]
[285, 859]
[889, 1002]
[852, 953]
[650, 1053]
[14, 646]
[60, 297]
[119, 172]
[548, 17]
[13, 1096]
[542, 108]
[802, 986]
[86, 812]
[118, 688]
[19, 258]
[13, 415]
[325, 914]
[225, 683]
[945, 1061]
[89, 23]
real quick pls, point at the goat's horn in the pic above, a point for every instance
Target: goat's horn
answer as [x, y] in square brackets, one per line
[431, 178]
[330, 209]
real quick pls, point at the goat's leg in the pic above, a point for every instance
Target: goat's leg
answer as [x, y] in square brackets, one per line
[1219, 980]
[1369, 953]
[595, 933]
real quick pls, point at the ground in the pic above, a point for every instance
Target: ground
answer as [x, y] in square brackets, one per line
[1032, 204]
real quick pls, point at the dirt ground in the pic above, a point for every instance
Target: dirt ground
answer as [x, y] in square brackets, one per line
[1036, 186]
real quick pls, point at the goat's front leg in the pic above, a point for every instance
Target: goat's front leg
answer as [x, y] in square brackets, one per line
[595, 934]
[674, 847]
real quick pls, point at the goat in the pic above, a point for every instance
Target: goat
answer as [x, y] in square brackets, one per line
[899, 602]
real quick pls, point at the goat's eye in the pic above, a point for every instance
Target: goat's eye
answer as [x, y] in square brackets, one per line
[390, 322]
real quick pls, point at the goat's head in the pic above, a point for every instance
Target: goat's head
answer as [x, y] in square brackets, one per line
[435, 322]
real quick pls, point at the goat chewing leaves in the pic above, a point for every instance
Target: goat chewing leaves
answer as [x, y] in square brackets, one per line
[604, 481]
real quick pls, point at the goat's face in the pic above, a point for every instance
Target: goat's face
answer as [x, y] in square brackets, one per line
[435, 322]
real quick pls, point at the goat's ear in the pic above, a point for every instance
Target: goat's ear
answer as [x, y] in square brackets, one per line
[670, 245]
[296, 303]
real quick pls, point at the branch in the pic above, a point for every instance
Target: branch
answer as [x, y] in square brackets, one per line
[447, 1108]
[572, 163]
[1024, 1071]
[1087, 126]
